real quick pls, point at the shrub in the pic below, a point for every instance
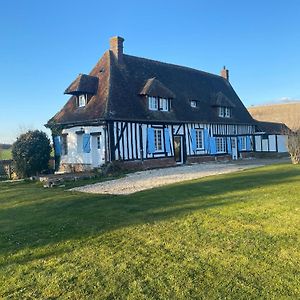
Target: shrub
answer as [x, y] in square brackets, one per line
[31, 153]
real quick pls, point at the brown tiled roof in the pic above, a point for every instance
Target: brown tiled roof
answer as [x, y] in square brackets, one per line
[83, 84]
[118, 96]
[155, 88]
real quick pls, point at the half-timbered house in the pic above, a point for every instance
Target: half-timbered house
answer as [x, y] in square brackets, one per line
[145, 111]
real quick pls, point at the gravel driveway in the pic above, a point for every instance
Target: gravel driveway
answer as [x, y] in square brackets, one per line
[144, 180]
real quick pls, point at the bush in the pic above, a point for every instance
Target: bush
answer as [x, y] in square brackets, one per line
[31, 153]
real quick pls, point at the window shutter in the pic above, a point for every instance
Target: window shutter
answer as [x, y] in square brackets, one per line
[212, 143]
[229, 150]
[86, 141]
[248, 143]
[193, 138]
[206, 139]
[167, 140]
[150, 136]
[57, 145]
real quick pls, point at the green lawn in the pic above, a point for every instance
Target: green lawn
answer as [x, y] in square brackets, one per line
[5, 154]
[224, 237]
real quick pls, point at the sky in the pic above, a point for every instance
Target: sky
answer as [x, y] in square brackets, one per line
[44, 45]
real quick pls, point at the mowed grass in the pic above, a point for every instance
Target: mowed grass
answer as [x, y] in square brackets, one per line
[5, 154]
[234, 236]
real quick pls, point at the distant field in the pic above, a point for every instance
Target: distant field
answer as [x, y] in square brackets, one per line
[287, 113]
[233, 236]
[5, 153]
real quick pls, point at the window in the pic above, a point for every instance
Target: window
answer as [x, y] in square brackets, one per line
[199, 139]
[158, 139]
[193, 103]
[98, 142]
[220, 144]
[156, 103]
[79, 143]
[163, 104]
[243, 141]
[153, 103]
[82, 100]
[64, 144]
[224, 112]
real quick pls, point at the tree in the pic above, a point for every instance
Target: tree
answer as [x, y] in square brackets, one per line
[31, 153]
[293, 146]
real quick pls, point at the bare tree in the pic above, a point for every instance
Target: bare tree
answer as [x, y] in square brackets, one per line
[293, 146]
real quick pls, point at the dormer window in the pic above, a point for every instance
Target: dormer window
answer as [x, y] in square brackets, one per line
[224, 112]
[156, 103]
[193, 103]
[153, 103]
[82, 100]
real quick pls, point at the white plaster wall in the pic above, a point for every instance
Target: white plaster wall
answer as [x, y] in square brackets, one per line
[75, 154]
[282, 142]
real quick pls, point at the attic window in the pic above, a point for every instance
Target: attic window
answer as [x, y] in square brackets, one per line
[82, 100]
[193, 103]
[156, 103]
[224, 112]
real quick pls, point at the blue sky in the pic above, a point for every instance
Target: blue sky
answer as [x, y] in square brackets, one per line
[44, 45]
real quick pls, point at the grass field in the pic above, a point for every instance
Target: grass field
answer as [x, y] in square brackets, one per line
[224, 237]
[5, 154]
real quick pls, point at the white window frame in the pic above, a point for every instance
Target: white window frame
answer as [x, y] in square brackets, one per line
[158, 140]
[153, 103]
[193, 103]
[199, 139]
[224, 112]
[243, 143]
[221, 145]
[163, 104]
[82, 100]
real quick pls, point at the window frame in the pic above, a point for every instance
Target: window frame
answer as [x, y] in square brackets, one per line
[158, 139]
[224, 111]
[220, 146]
[80, 102]
[163, 107]
[199, 139]
[193, 103]
[64, 144]
[243, 143]
[152, 103]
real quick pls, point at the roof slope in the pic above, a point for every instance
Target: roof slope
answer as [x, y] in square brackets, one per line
[120, 86]
[83, 84]
[272, 127]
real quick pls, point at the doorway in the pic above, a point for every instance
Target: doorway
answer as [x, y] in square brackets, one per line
[234, 148]
[178, 149]
[97, 150]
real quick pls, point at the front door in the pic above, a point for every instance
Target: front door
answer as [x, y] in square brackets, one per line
[97, 150]
[178, 149]
[234, 148]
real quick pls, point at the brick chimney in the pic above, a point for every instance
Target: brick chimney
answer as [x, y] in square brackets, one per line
[116, 46]
[225, 73]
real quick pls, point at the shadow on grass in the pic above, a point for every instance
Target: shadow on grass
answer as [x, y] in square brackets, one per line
[42, 217]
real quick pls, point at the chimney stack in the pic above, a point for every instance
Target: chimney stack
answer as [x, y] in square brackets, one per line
[225, 73]
[116, 46]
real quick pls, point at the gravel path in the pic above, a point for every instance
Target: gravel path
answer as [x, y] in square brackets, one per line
[144, 180]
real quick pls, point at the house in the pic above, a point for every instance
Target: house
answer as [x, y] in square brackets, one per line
[148, 112]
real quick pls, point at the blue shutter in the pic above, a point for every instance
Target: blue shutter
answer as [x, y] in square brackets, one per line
[206, 140]
[193, 138]
[248, 143]
[229, 150]
[86, 143]
[212, 143]
[57, 145]
[150, 136]
[167, 140]
[239, 143]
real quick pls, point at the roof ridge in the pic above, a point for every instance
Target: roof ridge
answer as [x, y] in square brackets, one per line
[173, 65]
